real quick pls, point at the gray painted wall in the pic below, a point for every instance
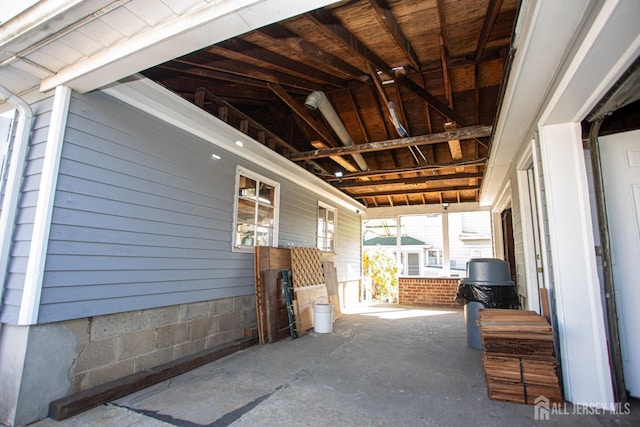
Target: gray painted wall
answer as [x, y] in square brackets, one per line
[14, 278]
[143, 217]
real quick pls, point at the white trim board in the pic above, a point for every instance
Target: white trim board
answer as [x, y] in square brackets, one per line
[34, 274]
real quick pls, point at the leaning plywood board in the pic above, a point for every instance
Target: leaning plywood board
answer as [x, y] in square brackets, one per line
[306, 297]
[306, 267]
[277, 322]
[331, 280]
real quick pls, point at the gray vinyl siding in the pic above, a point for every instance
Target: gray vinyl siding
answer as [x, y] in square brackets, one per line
[15, 275]
[143, 216]
[348, 259]
[298, 226]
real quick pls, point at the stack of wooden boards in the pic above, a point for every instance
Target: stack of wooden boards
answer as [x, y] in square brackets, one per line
[517, 356]
[314, 281]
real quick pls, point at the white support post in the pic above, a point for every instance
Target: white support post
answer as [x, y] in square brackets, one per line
[446, 253]
[583, 345]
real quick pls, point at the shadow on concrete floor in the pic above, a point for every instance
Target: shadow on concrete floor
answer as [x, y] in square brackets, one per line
[383, 365]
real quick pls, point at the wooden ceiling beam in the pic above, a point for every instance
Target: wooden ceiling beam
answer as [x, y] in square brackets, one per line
[332, 28]
[240, 73]
[356, 110]
[390, 193]
[287, 65]
[408, 181]
[280, 34]
[202, 94]
[461, 133]
[397, 171]
[348, 166]
[438, 105]
[487, 26]
[386, 17]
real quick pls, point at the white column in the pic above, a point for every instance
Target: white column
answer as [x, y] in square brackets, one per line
[446, 257]
[583, 345]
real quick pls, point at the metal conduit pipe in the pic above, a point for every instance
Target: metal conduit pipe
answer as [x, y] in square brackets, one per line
[14, 178]
[318, 101]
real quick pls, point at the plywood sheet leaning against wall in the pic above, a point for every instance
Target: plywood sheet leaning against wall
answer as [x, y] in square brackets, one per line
[267, 259]
[331, 280]
[307, 296]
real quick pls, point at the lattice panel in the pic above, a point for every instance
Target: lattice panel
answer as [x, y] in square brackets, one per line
[306, 267]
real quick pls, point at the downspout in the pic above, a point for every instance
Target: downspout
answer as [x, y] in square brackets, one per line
[615, 355]
[14, 180]
[318, 101]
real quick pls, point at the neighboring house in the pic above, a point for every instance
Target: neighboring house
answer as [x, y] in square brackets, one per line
[423, 239]
[412, 252]
[120, 245]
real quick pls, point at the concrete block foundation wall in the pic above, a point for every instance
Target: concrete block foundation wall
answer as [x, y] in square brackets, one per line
[431, 291]
[113, 346]
[74, 355]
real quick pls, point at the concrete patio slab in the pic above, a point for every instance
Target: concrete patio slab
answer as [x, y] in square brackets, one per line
[383, 365]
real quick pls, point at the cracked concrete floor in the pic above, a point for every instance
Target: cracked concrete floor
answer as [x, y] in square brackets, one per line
[383, 365]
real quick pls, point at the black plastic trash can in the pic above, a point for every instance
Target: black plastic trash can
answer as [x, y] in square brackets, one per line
[487, 285]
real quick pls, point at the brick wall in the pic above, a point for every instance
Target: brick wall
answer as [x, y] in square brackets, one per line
[113, 346]
[428, 291]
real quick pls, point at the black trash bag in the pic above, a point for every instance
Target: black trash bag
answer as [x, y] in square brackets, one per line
[489, 296]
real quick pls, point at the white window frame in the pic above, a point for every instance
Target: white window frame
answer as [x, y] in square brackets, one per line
[241, 171]
[329, 208]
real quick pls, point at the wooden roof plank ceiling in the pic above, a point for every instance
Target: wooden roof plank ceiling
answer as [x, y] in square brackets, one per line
[415, 83]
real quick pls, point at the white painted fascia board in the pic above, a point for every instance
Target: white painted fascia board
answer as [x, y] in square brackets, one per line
[212, 23]
[610, 43]
[34, 274]
[544, 39]
[494, 174]
[153, 99]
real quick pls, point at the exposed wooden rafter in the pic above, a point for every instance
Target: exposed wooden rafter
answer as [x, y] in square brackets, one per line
[408, 181]
[390, 193]
[254, 52]
[487, 25]
[382, 10]
[281, 34]
[461, 133]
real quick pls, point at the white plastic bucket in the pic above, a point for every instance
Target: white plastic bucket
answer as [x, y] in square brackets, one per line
[323, 318]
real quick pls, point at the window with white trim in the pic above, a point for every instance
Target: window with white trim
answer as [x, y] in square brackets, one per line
[257, 205]
[327, 223]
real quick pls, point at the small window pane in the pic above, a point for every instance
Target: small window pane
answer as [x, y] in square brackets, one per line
[264, 236]
[246, 211]
[265, 215]
[245, 235]
[267, 194]
[247, 187]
